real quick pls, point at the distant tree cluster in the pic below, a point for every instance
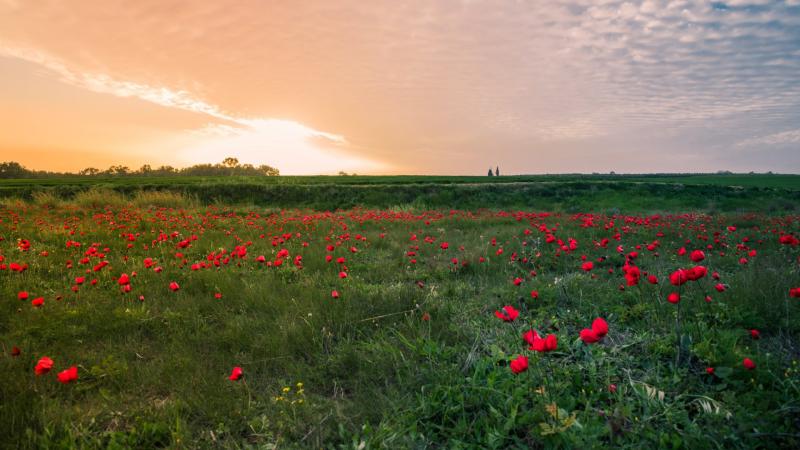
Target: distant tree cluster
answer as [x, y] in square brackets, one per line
[228, 167]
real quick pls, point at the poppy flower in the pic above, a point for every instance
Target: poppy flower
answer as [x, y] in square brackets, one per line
[720, 287]
[520, 364]
[755, 334]
[335, 293]
[124, 279]
[15, 351]
[600, 327]
[748, 364]
[539, 344]
[612, 388]
[517, 281]
[794, 292]
[674, 298]
[678, 277]
[23, 295]
[652, 279]
[509, 313]
[697, 256]
[588, 336]
[587, 266]
[342, 274]
[43, 365]
[426, 317]
[710, 370]
[534, 294]
[696, 272]
[37, 302]
[174, 286]
[218, 295]
[236, 374]
[68, 375]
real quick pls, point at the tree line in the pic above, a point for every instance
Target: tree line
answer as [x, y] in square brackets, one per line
[228, 167]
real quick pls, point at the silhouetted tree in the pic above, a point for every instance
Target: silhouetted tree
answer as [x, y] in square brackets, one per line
[12, 169]
[230, 162]
[497, 171]
[490, 172]
[89, 171]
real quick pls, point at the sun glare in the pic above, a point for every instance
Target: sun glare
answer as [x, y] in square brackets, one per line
[288, 145]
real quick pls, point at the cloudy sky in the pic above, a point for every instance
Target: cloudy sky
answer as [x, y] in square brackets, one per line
[446, 87]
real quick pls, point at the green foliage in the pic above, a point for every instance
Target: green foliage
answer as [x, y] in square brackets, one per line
[410, 355]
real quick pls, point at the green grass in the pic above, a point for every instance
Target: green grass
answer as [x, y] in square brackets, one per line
[624, 193]
[153, 372]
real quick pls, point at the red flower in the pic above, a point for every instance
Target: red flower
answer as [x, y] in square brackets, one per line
[534, 294]
[696, 272]
[710, 370]
[697, 256]
[236, 373]
[588, 336]
[43, 366]
[748, 364]
[124, 279]
[68, 375]
[15, 351]
[520, 364]
[600, 327]
[755, 334]
[335, 293]
[538, 344]
[674, 298]
[678, 277]
[517, 281]
[720, 287]
[794, 292]
[174, 286]
[342, 274]
[37, 302]
[587, 266]
[23, 295]
[509, 313]
[652, 279]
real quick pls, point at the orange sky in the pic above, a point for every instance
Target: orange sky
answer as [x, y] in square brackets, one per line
[452, 86]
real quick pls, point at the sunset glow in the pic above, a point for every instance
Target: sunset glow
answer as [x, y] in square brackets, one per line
[448, 87]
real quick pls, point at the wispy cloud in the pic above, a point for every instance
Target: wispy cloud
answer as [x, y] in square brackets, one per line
[781, 138]
[407, 80]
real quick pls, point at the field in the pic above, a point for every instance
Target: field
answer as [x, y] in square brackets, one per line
[572, 193]
[401, 312]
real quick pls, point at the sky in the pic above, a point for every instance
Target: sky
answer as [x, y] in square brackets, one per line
[403, 87]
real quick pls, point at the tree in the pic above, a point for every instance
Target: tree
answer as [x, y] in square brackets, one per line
[89, 171]
[119, 170]
[145, 169]
[497, 171]
[230, 162]
[12, 169]
[268, 170]
[166, 170]
[490, 172]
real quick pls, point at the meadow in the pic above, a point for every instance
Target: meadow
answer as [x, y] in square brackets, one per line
[400, 313]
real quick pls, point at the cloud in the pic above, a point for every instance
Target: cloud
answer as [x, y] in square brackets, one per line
[781, 138]
[403, 80]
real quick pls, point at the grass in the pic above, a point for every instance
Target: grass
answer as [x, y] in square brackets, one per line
[411, 354]
[619, 193]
